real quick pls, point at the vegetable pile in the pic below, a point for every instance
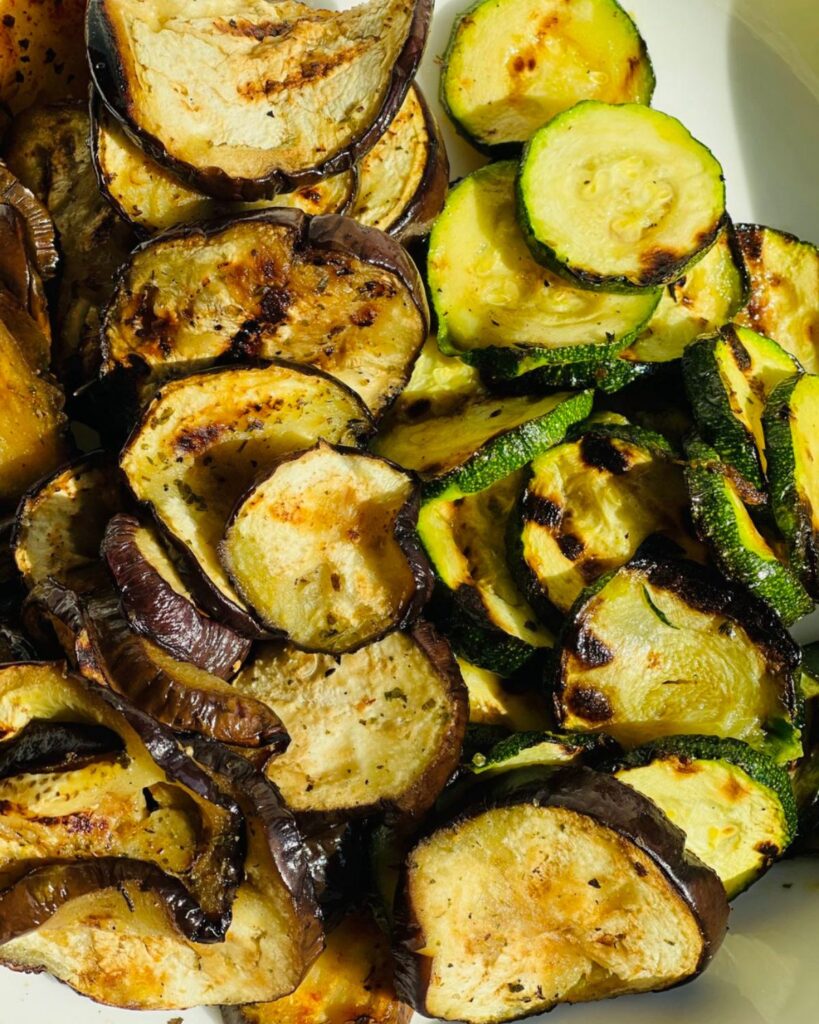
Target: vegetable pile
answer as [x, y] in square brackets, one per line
[413, 639]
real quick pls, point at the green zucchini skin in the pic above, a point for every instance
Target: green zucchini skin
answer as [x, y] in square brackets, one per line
[723, 522]
[550, 749]
[707, 366]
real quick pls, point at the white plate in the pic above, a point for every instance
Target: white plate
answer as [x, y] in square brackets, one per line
[743, 75]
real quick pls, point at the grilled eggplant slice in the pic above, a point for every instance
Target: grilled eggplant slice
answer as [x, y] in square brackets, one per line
[40, 234]
[481, 440]
[61, 522]
[491, 703]
[588, 506]
[158, 602]
[352, 980]
[661, 648]
[507, 947]
[153, 199]
[729, 377]
[741, 551]
[403, 180]
[242, 120]
[791, 441]
[734, 804]
[359, 570]
[635, 219]
[784, 275]
[501, 310]
[48, 151]
[19, 277]
[379, 729]
[322, 291]
[205, 438]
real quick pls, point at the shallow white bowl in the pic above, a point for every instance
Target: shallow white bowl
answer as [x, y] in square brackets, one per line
[743, 76]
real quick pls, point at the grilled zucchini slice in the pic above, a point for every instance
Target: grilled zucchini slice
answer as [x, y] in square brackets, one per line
[729, 377]
[504, 312]
[550, 749]
[661, 648]
[741, 551]
[358, 571]
[481, 440]
[784, 275]
[465, 540]
[378, 729]
[619, 197]
[321, 291]
[635, 911]
[242, 120]
[205, 438]
[511, 65]
[734, 804]
[792, 446]
[491, 703]
[587, 507]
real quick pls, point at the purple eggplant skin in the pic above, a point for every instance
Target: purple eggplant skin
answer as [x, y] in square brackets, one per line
[43, 746]
[108, 76]
[40, 231]
[597, 796]
[157, 611]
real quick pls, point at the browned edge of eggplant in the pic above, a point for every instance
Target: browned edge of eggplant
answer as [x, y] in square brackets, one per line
[157, 611]
[404, 533]
[41, 234]
[109, 77]
[603, 799]
[43, 746]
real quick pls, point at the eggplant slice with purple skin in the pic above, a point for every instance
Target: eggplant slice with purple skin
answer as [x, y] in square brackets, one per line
[127, 932]
[359, 572]
[636, 912]
[158, 603]
[205, 438]
[19, 276]
[377, 730]
[322, 291]
[40, 233]
[255, 119]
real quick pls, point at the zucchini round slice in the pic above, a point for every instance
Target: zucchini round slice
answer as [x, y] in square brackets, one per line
[784, 275]
[734, 804]
[378, 729]
[729, 377]
[792, 446]
[570, 887]
[743, 554]
[511, 65]
[324, 549]
[619, 197]
[205, 438]
[482, 440]
[587, 507]
[661, 648]
[500, 309]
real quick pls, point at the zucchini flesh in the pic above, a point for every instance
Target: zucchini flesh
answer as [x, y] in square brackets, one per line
[205, 438]
[784, 276]
[588, 506]
[380, 728]
[743, 554]
[493, 704]
[359, 572]
[465, 541]
[504, 311]
[734, 804]
[728, 378]
[482, 440]
[511, 65]
[662, 648]
[619, 196]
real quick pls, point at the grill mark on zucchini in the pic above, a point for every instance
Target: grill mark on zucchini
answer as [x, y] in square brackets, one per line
[598, 452]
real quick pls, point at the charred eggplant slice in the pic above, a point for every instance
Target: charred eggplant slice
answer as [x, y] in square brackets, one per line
[380, 728]
[19, 277]
[352, 980]
[661, 648]
[158, 602]
[506, 947]
[359, 571]
[255, 119]
[734, 804]
[403, 180]
[205, 438]
[40, 234]
[323, 291]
